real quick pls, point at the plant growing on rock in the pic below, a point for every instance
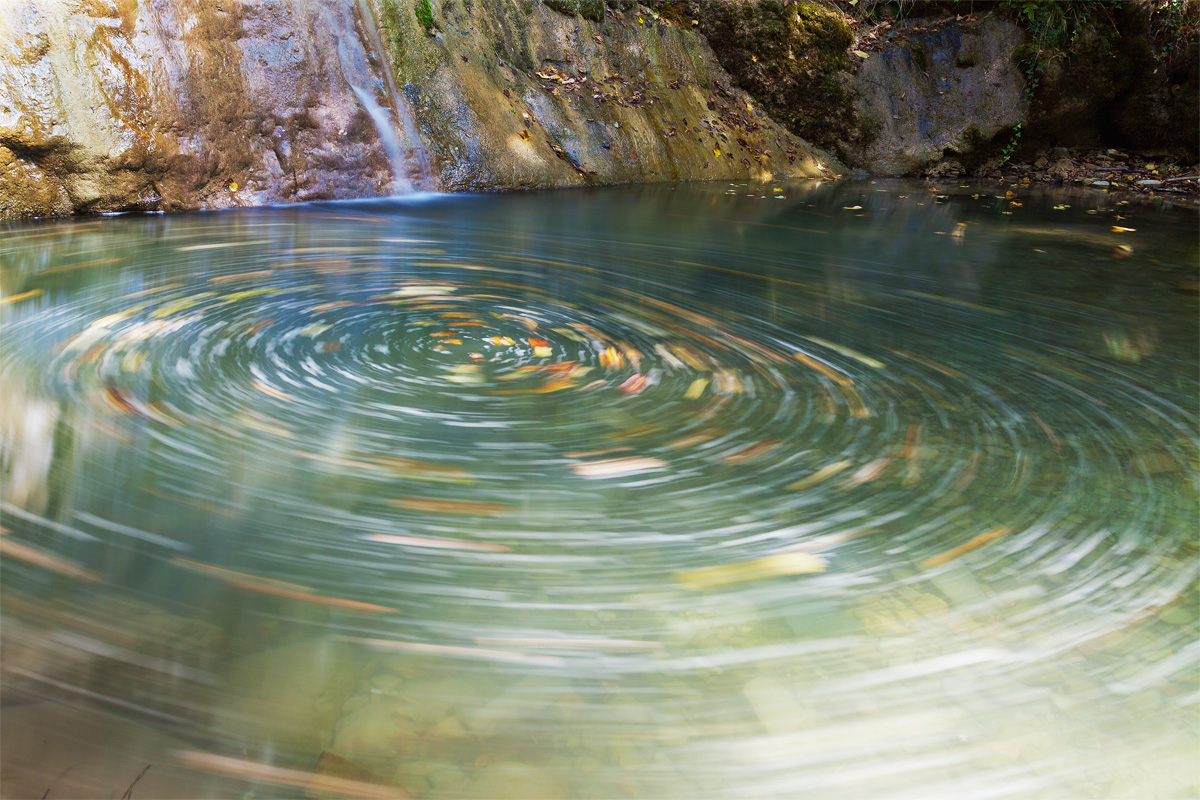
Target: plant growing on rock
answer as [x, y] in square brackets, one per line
[425, 15]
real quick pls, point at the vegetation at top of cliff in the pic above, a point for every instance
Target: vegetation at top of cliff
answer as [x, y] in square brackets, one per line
[1125, 73]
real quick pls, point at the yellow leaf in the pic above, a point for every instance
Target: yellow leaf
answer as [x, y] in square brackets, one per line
[233, 186]
[1119, 229]
[12, 298]
[543, 352]
[500, 341]
[860, 54]
[768, 567]
[696, 389]
[716, 151]
[180, 305]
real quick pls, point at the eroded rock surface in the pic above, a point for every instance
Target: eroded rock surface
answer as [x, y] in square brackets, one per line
[111, 105]
[519, 94]
[942, 94]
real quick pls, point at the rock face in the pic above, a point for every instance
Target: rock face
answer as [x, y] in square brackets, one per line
[111, 105]
[517, 93]
[794, 58]
[926, 92]
[114, 105]
[940, 96]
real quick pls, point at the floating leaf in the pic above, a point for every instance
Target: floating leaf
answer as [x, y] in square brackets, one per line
[13, 298]
[436, 544]
[634, 384]
[421, 290]
[180, 305]
[439, 506]
[846, 351]
[966, 547]
[750, 452]
[257, 326]
[869, 472]
[726, 381]
[616, 467]
[543, 352]
[464, 373]
[11, 548]
[316, 329]
[500, 341]
[612, 358]
[768, 567]
[229, 298]
[271, 391]
[700, 437]
[328, 306]
[316, 785]
[696, 389]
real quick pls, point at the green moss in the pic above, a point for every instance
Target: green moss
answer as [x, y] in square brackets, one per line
[920, 61]
[425, 15]
[588, 9]
[592, 9]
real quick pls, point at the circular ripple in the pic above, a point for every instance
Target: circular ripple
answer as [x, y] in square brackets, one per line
[749, 478]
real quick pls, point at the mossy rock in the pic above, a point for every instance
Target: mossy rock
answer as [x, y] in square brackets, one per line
[1120, 82]
[588, 9]
[792, 57]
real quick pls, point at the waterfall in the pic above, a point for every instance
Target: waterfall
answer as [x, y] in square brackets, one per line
[407, 162]
[367, 13]
[387, 137]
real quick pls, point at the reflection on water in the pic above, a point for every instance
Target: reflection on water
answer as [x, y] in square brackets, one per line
[857, 491]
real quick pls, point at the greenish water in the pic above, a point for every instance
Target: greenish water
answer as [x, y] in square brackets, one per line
[843, 491]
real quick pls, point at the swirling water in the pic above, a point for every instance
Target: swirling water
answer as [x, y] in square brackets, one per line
[849, 491]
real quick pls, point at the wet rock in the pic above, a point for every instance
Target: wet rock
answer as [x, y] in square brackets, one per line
[371, 734]
[775, 704]
[57, 750]
[288, 696]
[113, 106]
[514, 780]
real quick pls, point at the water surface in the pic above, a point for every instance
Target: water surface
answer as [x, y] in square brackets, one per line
[848, 491]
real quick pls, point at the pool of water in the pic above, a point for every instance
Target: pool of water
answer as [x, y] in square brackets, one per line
[864, 490]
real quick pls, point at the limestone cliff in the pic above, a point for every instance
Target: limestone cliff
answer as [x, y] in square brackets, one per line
[112, 105]
[515, 93]
[109, 105]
